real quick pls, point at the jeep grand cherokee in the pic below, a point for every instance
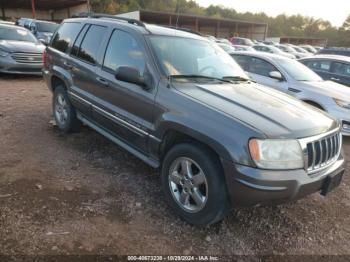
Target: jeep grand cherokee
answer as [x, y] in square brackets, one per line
[181, 104]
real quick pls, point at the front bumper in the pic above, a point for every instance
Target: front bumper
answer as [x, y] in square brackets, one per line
[10, 66]
[249, 186]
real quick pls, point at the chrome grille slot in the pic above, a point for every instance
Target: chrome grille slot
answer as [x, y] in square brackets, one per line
[323, 151]
[27, 58]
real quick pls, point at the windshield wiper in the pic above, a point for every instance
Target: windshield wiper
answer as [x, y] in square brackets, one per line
[236, 78]
[200, 77]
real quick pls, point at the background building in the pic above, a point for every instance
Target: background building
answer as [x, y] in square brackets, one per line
[54, 10]
[224, 28]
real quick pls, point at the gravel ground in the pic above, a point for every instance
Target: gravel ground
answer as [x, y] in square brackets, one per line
[81, 194]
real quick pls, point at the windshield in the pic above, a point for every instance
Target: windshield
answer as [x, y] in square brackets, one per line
[286, 49]
[47, 27]
[298, 49]
[298, 71]
[185, 56]
[16, 34]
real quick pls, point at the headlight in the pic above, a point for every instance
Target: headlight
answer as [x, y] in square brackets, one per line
[3, 53]
[276, 153]
[342, 103]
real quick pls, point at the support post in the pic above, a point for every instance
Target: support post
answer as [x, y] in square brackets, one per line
[33, 9]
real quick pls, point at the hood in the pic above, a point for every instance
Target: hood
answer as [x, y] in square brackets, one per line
[21, 46]
[273, 113]
[330, 88]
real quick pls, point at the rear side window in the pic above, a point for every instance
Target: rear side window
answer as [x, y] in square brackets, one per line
[341, 69]
[65, 35]
[123, 50]
[90, 46]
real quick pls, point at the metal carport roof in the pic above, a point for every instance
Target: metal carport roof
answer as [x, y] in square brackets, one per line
[40, 4]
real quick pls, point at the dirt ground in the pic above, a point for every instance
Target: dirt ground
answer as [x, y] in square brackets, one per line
[81, 194]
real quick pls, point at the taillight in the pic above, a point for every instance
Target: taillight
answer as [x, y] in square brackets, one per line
[44, 57]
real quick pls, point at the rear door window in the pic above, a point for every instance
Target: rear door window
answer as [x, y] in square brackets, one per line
[65, 36]
[341, 69]
[91, 43]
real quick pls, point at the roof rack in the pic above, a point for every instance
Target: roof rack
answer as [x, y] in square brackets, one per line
[98, 15]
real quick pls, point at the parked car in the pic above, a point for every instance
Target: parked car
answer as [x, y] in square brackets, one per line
[292, 77]
[272, 50]
[20, 51]
[309, 48]
[181, 104]
[6, 22]
[243, 48]
[290, 50]
[330, 67]
[223, 41]
[335, 51]
[227, 48]
[43, 30]
[300, 50]
[241, 41]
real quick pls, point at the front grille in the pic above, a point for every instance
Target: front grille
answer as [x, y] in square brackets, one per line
[323, 152]
[27, 58]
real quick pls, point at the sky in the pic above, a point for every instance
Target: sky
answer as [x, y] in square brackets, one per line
[334, 11]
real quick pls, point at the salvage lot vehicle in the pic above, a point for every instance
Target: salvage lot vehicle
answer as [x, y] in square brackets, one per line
[20, 51]
[331, 67]
[272, 50]
[43, 30]
[294, 78]
[290, 50]
[180, 103]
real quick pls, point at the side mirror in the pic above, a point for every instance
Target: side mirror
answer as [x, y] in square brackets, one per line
[44, 41]
[131, 75]
[276, 75]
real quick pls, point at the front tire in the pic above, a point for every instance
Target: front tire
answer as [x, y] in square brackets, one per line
[64, 112]
[194, 185]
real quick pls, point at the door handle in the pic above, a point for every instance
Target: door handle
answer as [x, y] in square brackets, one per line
[102, 81]
[335, 79]
[68, 65]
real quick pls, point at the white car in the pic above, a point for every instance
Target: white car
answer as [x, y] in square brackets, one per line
[294, 78]
[272, 50]
[291, 50]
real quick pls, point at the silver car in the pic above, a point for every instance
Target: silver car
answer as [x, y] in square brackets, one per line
[272, 50]
[20, 51]
[294, 78]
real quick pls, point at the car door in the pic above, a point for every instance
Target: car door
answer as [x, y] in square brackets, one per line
[341, 73]
[125, 108]
[83, 65]
[259, 70]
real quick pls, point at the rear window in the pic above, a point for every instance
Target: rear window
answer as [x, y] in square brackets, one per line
[65, 35]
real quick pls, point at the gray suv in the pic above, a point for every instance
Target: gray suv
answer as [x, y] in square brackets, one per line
[181, 104]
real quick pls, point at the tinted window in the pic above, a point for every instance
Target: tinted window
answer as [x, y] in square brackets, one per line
[320, 65]
[91, 44]
[243, 61]
[123, 50]
[261, 67]
[65, 35]
[341, 69]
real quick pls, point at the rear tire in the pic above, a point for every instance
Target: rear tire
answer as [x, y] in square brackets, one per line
[193, 183]
[64, 112]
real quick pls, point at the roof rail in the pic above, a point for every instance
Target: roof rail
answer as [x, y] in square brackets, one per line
[98, 15]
